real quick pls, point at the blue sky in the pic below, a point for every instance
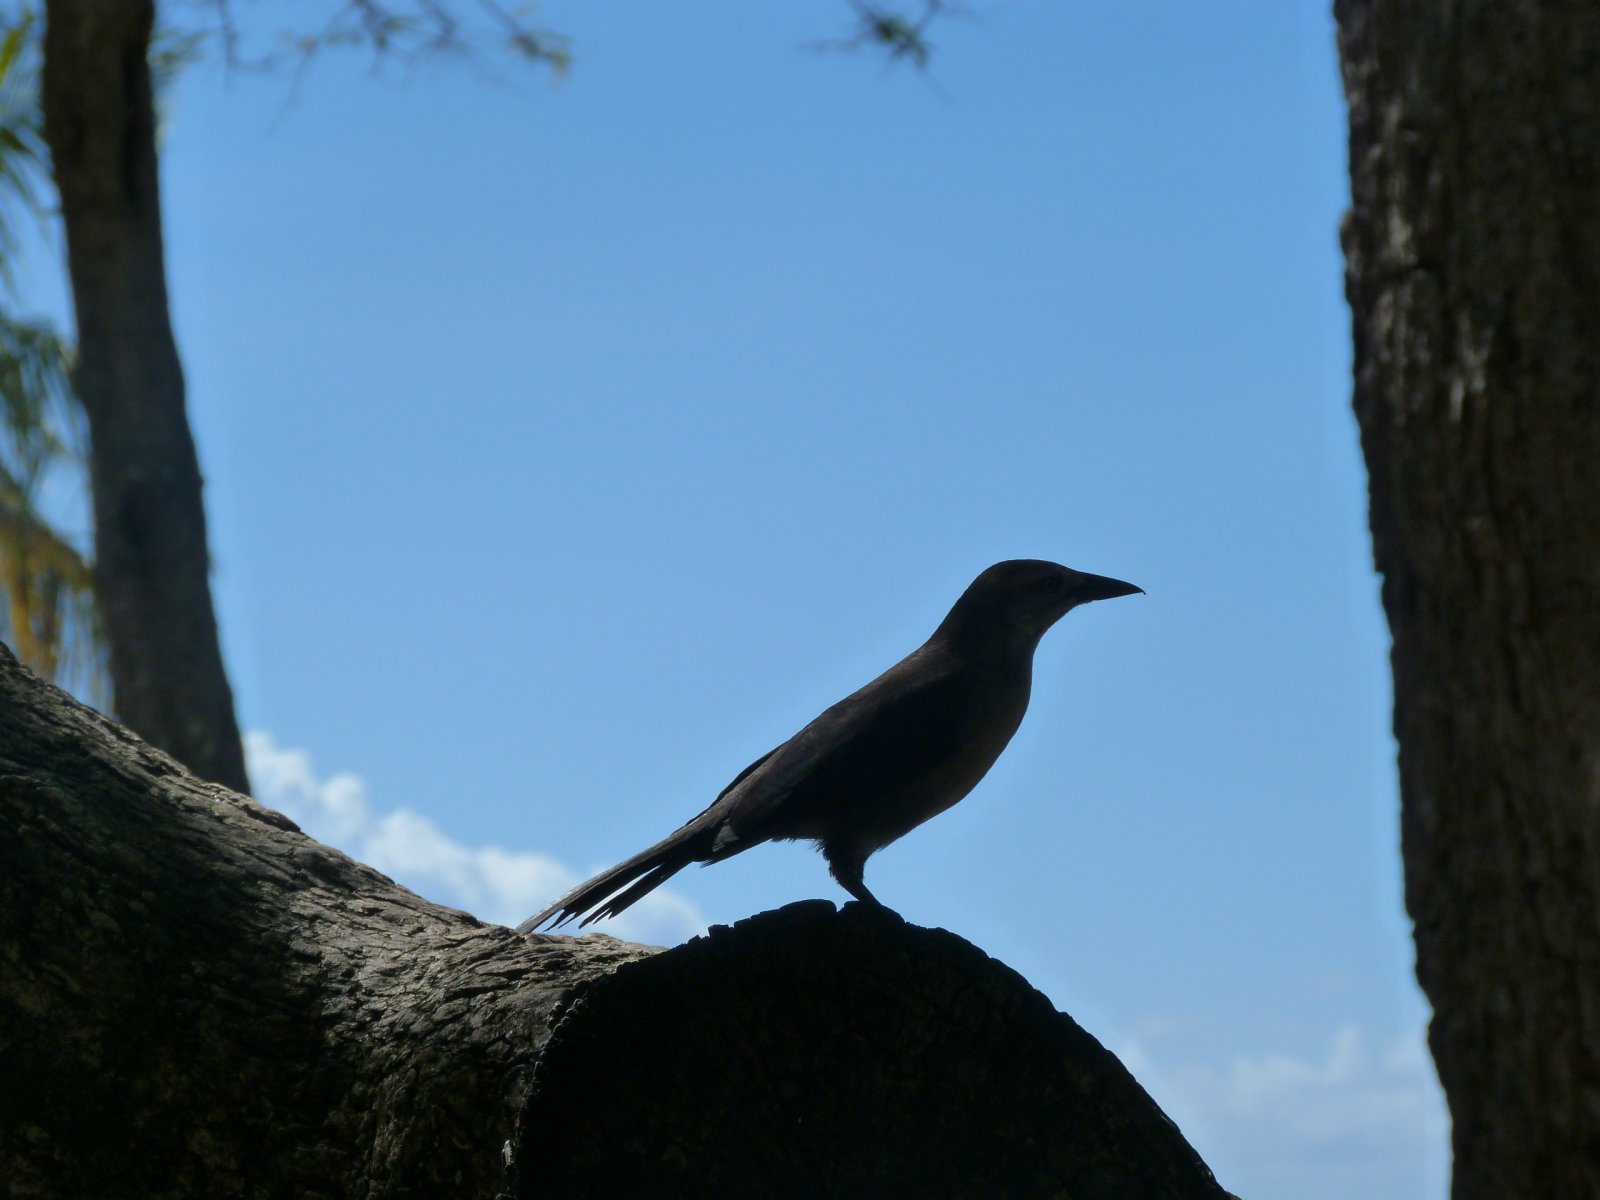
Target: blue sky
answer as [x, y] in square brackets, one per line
[570, 445]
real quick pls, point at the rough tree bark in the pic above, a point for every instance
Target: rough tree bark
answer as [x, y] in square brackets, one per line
[151, 564]
[1473, 252]
[196, 1000]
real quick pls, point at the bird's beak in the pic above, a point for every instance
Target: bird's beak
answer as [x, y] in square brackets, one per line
[1101, 587]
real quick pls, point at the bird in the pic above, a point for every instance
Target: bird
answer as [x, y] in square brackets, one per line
[884, 759]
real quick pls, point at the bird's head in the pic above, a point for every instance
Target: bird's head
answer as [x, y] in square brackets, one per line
[1009, 606]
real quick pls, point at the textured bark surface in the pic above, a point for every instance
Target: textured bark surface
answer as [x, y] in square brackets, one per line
[808, 1053]
[196, 1000]
[151, 566]
[1473, 255]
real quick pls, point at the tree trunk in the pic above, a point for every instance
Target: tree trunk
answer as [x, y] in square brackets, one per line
[1473, 253]
[151, 567]
[196, 1000]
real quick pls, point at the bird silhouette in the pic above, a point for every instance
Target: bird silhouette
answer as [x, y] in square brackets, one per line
[884, 759]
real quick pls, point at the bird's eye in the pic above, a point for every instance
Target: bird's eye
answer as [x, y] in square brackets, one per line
[1053, 584]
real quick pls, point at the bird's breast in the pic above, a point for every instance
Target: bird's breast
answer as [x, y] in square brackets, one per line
[986, 727]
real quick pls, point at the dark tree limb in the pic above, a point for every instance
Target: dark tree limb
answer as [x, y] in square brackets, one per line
[807, 1052]
[197, 1000]
[151, 565]
[1473, 273]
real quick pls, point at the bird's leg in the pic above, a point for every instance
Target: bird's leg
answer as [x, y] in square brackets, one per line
[847, 867]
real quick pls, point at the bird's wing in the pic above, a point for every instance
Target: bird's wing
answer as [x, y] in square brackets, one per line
[740, 777]
[903, 726]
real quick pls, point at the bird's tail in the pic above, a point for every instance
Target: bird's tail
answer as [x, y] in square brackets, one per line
[608, 893]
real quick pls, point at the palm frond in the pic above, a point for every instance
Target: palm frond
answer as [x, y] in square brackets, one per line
[48, 614]
[22, 154]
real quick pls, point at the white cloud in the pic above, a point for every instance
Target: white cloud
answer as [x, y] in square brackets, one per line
[1352, 1121]
[495, 884]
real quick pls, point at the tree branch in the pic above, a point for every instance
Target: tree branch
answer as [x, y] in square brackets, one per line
[199, 1000]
